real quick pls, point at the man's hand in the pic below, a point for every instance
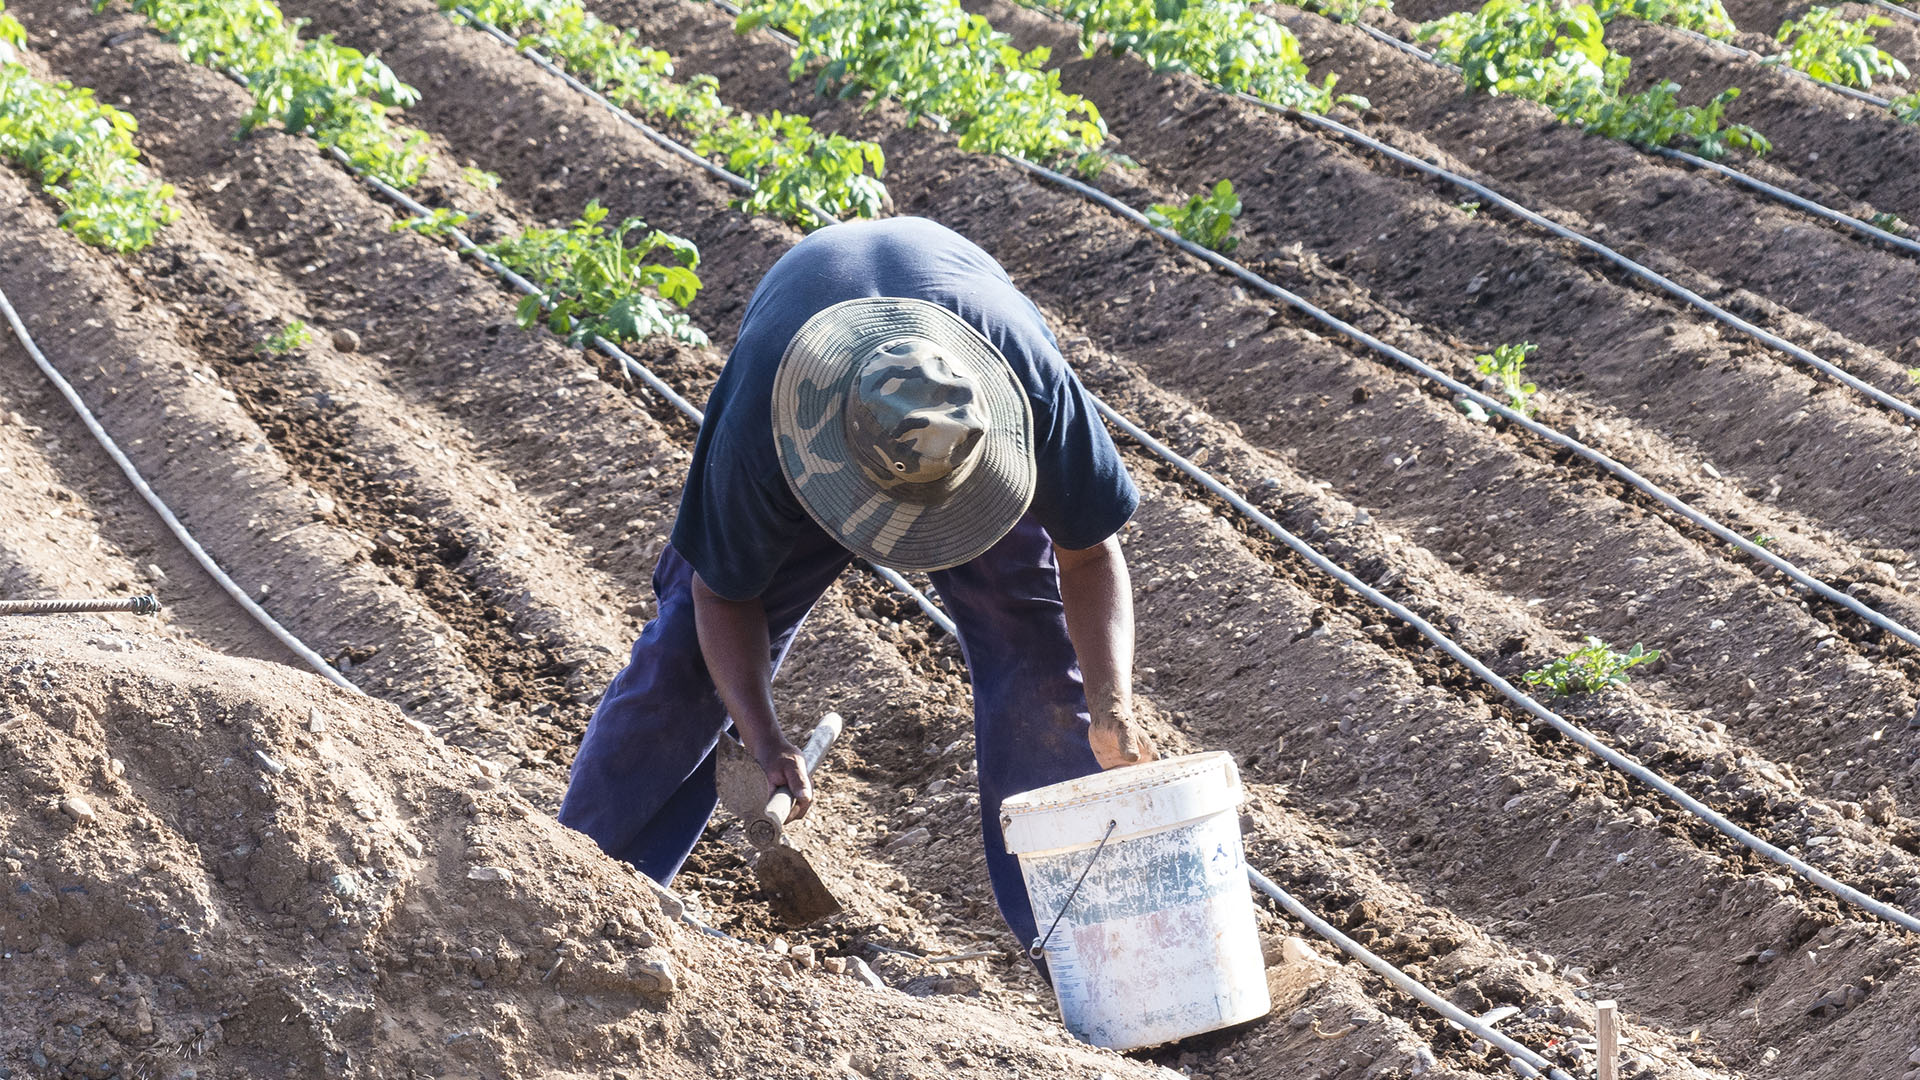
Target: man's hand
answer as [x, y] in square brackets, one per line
[785, 769]
[1119, 738]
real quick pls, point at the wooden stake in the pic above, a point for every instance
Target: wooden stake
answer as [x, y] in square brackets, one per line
[1609, 1037]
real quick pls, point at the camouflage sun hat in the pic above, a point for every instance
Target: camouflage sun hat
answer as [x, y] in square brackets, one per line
[904, 432]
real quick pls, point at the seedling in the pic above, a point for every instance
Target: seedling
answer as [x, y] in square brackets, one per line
[294, 335]
[1470, 207]
[1827, 45]
[598, 284]
[1505, 363]
[1889, 222]
[1913, 375]
[1205, 219]
[480, 178]
[1590, 669]
[1761, 539]
[438, 222]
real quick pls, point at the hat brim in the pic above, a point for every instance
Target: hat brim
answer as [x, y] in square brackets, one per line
[809, 391]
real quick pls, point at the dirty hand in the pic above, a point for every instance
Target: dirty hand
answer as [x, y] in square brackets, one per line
[785, 769]
[1119, 738]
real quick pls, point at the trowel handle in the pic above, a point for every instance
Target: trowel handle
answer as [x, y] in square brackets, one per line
[764, 831]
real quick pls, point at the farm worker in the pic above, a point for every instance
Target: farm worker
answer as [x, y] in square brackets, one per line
[893, 397]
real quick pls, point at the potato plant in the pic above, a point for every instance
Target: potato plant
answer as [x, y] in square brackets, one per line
[1827, 45]
[1592, 668]
[1707, 17]
[598, 282]
[1559, 57]
[290, 338]
[1224, 42]
[1206, 219]
[792, 167]
[340, 94]
[1506, 364]
[941, 62]
[82, 151]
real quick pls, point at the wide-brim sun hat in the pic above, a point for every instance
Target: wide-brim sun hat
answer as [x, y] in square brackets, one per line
[903, 432]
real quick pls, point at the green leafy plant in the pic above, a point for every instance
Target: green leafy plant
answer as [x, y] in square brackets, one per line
[1559, 57]
[1469, 207]
[1761, 539]
[1707, 17]
[1906, 108]
[794, 168]
[1890, 222]
[598, 281]
[1225, 42]
[1827, 45]
[294, 335]
[440, 221]
[1206, 218]
[1913, 375]
[1506, 363]
[83, 153]
[480, 178]
[1347, 11]
[340, 95]
[1593, 667]
[941, 62]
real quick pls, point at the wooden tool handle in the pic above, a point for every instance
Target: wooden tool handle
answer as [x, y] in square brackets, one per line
[765, 830]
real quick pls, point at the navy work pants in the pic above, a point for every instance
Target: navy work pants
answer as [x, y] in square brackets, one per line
[643, 780]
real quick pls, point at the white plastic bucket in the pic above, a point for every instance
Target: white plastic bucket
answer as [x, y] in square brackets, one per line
[1160, 941]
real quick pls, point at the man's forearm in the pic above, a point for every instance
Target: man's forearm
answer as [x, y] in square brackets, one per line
[736, 645]
[1098, 595]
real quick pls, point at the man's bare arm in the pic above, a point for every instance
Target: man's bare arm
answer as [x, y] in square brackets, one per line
[739, 654]
[1098, 596]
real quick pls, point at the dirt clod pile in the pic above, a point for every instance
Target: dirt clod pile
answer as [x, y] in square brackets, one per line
[218, 867]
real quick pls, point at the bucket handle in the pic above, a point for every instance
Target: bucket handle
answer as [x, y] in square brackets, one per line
[1039, 947]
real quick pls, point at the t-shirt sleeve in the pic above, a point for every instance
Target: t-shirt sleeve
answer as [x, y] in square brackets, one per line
[1082, 493]
[738, 519]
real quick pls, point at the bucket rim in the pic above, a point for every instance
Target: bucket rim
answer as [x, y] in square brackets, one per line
[1102, 786]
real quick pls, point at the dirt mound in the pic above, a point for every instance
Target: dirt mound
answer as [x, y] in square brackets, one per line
[220, 867]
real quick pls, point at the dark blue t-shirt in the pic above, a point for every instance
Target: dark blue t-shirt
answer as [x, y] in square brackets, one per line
[739, 520]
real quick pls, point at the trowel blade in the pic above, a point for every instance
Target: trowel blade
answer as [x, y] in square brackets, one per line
[794, 889]
[741, 780]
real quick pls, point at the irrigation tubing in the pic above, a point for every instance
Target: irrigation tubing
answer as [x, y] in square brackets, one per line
[1772, 191]
[628, 364]
[1578, 735]
[1634, 269]
[1401, 981]
[1896, 9]
[1429, 372]
[206, 561]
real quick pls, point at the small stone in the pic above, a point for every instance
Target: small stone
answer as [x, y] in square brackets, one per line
[491, 873]
[316, 721]
[322, 504]
[111, 644]
[1156, 583]
[835, 965]
[77, 808]
[802, 955]
[858, 968]
[1294, 950]
[407, 841]
[780, 946]
[913, 837]
[269, 764]
[938, 786]
[346, 340]
[660, 971]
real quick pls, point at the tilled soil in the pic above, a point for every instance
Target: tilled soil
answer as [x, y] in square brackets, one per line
[480, 508]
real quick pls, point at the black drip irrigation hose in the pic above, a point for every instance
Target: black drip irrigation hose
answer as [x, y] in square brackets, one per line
[180, 533]
[1432, 374]
[1578, 735]
[1896, 9]
[1772, 191]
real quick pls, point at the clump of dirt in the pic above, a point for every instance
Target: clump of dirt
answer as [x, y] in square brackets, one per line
[219, 867]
